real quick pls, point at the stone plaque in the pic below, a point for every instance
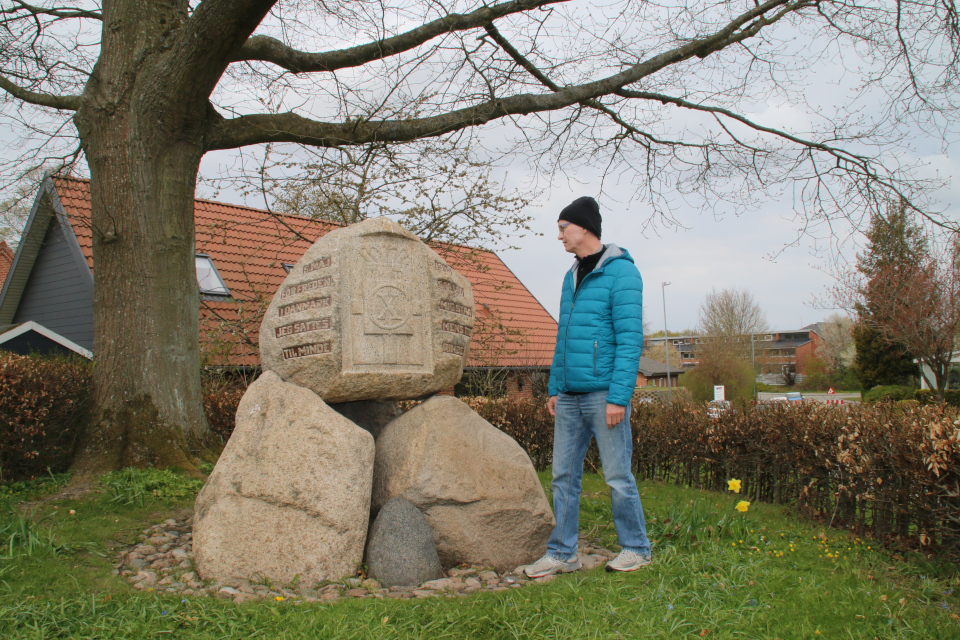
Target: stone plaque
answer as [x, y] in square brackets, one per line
[369, 313]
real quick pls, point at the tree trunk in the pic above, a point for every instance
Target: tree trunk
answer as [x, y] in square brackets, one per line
[143, 144]
[147, 408]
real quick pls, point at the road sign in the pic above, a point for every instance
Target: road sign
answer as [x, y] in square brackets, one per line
[718, 393]
[831, 392]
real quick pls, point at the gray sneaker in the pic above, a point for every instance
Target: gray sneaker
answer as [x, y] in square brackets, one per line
[549, 565]
[628, 561]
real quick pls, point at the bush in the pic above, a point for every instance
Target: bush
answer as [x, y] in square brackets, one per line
[891, 393]
[845, 379]
[881, 469]
[42, 402]
[720, 368]
[906, 405]
[816, 377]
[923, 396]
[871, 468]
[220, 401]
[952, 397]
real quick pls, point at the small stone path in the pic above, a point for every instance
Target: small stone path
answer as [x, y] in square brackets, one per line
[163, 562]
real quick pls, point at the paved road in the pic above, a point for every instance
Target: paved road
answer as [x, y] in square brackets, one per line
[819, 397]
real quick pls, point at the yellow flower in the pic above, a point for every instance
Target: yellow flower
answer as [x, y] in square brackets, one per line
[733, 485]
[279, 598]
[742, 506]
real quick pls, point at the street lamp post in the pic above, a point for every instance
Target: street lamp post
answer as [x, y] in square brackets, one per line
[666, 340]
[753, 367]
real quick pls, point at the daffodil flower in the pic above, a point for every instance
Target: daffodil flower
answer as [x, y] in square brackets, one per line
[742, 506]
[733, 485]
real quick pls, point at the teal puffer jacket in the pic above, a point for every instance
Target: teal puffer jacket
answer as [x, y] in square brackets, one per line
[600, 334]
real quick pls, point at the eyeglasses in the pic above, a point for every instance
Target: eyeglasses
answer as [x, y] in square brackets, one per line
[563, 227]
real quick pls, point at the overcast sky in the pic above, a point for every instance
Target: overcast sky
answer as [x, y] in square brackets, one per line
[758, 251]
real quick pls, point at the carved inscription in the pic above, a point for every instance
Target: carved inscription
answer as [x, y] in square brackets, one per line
[385, 327]
[306, 305]
[388, 307]
[455, 327]
[302, 327]
[319, 263]
[309, 285]
[456, 349]
[455, 307]
[452, 287]
[314, 349]
[443, 267]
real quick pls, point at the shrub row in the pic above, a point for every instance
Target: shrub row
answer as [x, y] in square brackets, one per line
[887, 470]
[41, 401]
[899, 393]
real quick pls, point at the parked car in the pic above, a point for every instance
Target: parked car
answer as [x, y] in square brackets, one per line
[794, 396]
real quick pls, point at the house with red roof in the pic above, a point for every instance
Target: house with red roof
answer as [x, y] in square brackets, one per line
[6, 259]
[243, 255]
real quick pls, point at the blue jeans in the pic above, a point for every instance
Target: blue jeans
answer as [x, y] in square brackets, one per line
[578, 419]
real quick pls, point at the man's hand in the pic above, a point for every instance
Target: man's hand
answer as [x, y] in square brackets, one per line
[552, 405]
[614, 415]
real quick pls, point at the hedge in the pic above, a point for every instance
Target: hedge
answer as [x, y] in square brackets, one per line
[41, 402]
[885, 470]
[891, 392]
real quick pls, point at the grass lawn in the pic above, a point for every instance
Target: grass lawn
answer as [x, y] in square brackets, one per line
[786, 579]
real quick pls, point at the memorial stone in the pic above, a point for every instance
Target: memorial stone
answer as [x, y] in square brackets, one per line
[290, 494]
[369, 312]
[476, 486]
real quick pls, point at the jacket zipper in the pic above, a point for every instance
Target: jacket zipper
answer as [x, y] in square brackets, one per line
[573, 304]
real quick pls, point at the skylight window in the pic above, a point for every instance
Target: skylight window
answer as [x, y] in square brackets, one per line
[208, 278]
[288, 266]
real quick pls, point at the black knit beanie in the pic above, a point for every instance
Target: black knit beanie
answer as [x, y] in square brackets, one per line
[583, 212]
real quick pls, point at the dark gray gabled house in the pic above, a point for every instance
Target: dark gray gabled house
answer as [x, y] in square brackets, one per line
[50, 281]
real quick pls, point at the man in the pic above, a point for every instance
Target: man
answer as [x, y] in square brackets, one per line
[592, 379]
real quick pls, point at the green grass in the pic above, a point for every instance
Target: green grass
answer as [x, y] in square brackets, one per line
[788, 579]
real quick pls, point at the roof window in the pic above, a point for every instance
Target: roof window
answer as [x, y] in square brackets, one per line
[211, 284]
[288, 266]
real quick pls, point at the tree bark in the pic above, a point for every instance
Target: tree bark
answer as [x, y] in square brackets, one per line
[143, 143]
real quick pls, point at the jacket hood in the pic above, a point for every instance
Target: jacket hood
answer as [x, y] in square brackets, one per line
[610, 252]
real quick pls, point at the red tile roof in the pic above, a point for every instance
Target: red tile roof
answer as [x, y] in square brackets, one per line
[250, 246]
[6, 259]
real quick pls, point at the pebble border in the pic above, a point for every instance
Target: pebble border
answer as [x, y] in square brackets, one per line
[162, 562]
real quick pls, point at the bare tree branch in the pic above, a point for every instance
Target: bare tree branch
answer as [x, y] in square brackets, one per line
[521, 60]
[56, 12]
[267, 49]
[64, 103]
[290, 127]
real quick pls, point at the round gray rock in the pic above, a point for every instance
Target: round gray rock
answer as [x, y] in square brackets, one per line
[400, 547]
